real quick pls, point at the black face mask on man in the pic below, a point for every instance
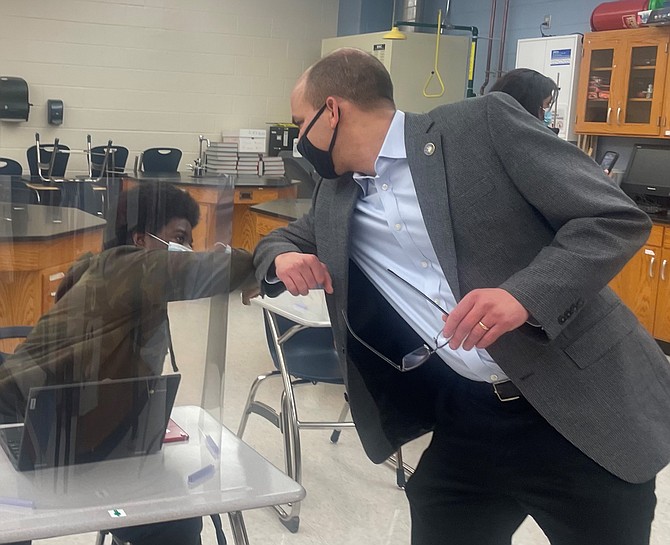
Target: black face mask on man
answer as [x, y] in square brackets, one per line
[321, 160]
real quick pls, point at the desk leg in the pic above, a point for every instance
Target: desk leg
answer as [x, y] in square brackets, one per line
[239, 529]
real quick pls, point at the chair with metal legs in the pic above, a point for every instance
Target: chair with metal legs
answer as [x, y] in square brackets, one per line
[47, 164]
[300, 341]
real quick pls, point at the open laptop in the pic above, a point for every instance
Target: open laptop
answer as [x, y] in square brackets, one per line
[91, 422]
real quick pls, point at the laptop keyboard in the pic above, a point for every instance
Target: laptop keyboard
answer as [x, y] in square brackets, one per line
[12, 438]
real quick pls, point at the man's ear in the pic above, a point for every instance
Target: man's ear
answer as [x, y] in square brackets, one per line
[333, 111]
[139, 239]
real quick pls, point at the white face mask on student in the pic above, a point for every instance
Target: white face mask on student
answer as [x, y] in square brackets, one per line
[173, 246]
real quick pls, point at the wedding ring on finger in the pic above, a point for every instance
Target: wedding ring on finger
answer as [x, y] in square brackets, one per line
[484, 327]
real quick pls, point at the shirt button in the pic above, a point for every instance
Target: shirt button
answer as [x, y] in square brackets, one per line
[437, 301]
[494, 377]
[424, 264]
[398, 227]
[385, 186]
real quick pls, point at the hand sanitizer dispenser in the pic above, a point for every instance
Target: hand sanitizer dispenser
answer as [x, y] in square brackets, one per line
[55, 111]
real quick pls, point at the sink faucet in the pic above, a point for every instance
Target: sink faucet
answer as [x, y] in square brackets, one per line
[198, 166]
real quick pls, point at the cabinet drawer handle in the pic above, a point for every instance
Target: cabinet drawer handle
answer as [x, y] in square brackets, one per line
[246, 195]
[618, 115]
[52, 294]
[609, 114]
[651, 267]
[664, 264]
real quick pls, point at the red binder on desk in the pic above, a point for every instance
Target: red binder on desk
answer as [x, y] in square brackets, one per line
[174, 433]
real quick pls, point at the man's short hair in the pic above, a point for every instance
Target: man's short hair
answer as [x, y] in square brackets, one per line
[148, 207]
[351, 74]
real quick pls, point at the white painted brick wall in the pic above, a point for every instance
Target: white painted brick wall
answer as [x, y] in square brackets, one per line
[156, 72]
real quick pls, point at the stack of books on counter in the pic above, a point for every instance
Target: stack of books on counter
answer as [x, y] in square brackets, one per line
[222, 158]
[272, 166]
[248, 163]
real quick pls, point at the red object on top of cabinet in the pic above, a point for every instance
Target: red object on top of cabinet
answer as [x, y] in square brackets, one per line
[617, 15]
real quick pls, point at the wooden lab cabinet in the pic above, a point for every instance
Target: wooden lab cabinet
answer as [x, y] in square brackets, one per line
[35, 254]
[644, 283]
[271, 215]
[31, 271]
[622, 83]
[205, 234]
[244, 220]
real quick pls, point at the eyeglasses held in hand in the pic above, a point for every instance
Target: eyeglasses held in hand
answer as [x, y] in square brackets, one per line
[416, 357]
[417, 290]
[409, 361]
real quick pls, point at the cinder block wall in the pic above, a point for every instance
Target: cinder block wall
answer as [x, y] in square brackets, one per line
[156, 72]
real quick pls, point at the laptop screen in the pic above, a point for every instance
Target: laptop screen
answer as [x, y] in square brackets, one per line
[95, 421]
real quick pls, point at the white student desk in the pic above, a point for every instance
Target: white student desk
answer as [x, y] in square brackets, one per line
[307, 310]
[141, 490]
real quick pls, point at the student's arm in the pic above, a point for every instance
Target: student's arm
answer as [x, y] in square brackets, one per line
[174, 276]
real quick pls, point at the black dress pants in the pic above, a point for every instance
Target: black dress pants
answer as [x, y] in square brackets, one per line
[492, 463]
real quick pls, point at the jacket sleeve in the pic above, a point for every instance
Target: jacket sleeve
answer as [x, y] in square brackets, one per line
[298, 236]
[163, 276]
[597, 227]
[203, 274]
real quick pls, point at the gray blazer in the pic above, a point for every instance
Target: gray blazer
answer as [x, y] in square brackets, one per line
[507, 204]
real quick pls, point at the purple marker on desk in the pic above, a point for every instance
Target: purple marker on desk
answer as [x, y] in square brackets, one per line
[212, 447]
[201, 475]
[17, 502]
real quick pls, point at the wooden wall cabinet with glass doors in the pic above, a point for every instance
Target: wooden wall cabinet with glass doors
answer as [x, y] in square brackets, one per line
[622, 82]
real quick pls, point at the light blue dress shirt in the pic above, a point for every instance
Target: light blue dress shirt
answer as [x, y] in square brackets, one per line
[388, 232]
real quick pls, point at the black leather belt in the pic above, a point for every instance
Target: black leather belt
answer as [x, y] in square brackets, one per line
[506, 391]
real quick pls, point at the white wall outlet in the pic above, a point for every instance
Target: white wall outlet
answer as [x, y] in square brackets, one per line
[547, 21]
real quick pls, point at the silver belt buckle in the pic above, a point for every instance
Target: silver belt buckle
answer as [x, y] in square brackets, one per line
[500, 396]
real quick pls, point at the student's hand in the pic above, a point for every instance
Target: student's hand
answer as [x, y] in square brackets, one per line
[302, 272]
[249, 294]
[481, 317]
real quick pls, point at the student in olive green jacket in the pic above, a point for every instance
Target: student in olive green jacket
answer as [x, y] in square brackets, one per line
[110, 320]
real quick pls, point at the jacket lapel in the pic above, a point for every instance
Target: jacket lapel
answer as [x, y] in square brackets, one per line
[427, 164]
[341, 210]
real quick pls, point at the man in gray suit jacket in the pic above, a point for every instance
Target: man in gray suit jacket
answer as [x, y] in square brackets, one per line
[544, 394]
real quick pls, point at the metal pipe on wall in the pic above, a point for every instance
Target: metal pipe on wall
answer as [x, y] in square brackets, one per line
[503, 38]
[404, 6]
[489, 49]
[447, 7]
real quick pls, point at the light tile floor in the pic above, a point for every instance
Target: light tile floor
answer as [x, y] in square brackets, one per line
[349, 499]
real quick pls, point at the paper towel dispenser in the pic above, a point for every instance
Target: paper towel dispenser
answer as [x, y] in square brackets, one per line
[14, 104]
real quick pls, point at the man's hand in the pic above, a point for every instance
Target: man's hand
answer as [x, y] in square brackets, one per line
[481, 317]
[302, 272]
